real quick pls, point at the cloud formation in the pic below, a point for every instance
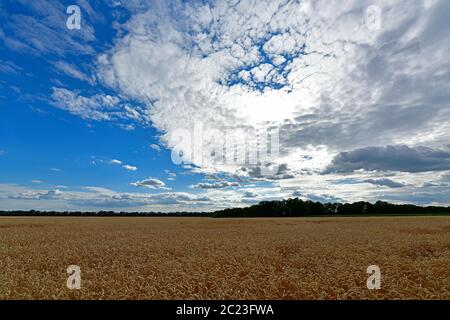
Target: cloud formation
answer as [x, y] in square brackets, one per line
[367, 102]
[315, 69]
[125, 166]
[391, 158]
[97, 198]
[384, 183]
[216, 185]
[151, 183]
[99, 107]
[155, 147]
[43, 26]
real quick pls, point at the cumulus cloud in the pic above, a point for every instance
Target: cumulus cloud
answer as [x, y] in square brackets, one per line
[347, 98]
[216, 185]
[324, 198]
[151, 183]
[125, 166]
[171, 175]
[249, 194]
[391, 158]
[313, 68]
[98, 198]
[39, 195]
[115, 161]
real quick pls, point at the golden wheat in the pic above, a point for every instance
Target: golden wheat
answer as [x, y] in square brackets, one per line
[204, 258]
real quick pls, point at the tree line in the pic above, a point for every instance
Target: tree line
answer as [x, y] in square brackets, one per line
[283, 208]
[300, 208]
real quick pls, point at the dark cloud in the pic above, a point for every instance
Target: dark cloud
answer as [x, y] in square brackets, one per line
[385, 183]
[249, 194]
[296, 194]
[275, 172]
[421, 198]
[434, 185]
[391, 158]
[323, 198]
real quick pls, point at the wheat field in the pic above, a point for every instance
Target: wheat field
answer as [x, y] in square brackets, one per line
[205, 258]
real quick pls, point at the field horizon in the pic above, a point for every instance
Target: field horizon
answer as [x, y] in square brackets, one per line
[234, 258]
[290, 207]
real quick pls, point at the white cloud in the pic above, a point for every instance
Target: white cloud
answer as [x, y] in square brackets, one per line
[9, 67]
[73, 71]
[155, 147]
[151, 183]
[216, 185]
[340, 92]
[315, 69]
[115, 161]
[35, 27]
[127, 127]
[15, 197]
[171, 175]
[89, 108]
[99, 107]
[125, 166]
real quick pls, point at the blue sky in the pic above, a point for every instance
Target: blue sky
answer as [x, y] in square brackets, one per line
[43, 146]
[91, 118]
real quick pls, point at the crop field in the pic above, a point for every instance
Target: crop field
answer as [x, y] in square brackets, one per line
[206, 258]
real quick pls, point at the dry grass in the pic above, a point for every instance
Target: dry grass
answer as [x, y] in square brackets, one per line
[202, 258]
